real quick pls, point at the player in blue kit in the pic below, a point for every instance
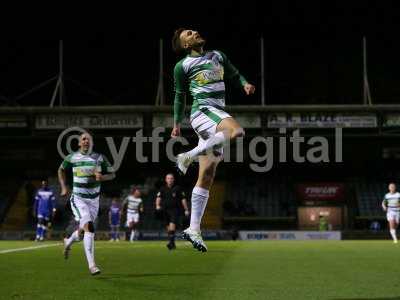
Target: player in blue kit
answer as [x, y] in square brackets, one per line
[114, 217]
[44, 208]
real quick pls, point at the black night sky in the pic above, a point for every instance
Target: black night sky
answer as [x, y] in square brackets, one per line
[313, 52]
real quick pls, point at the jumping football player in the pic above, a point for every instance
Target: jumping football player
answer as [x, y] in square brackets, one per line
[203, 74]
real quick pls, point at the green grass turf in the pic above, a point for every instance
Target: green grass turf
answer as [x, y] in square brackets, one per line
[230, 270]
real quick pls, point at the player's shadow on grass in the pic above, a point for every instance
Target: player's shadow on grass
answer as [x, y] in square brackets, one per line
[143, 275]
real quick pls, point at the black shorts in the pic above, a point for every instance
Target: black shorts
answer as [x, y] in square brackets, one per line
[171, 216]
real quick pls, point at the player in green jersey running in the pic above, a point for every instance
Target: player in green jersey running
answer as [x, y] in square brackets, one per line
[391, 205]
[89, 170]
[202, 73]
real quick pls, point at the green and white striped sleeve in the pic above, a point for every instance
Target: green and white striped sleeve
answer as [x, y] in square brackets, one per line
[180, 92]
[231, 72]
[66, 164]
[105, 165]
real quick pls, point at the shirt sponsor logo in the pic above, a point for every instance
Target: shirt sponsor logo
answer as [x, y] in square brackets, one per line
[209, 76]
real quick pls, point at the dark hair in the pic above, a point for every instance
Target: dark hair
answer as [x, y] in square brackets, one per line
[176, 41]
[86, 131]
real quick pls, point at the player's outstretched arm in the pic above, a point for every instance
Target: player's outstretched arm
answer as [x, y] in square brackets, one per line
[62, 180]
[185, 206]
[176, 130]
[124, 206]
[35, 205]
[158, 201]
[232, 73]
[66, 164]
[179, 100]
[106, 177]
[184, 202]
[384, 207]
[106, 168]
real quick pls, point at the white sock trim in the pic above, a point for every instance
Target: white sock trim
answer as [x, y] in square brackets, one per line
[76, 236]
[393, 233]
[199, 202]
[201, 191]
[218, 139]
[88, 244]
[73, 238]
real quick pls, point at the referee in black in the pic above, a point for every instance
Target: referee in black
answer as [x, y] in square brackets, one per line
[169, 202]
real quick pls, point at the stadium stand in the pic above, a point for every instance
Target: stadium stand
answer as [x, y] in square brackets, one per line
[369, 196]
[258, 197]
[8, 190]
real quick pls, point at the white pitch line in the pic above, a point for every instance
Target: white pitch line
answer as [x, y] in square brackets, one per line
[28, 248]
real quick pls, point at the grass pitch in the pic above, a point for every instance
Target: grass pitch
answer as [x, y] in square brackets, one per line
[230, 270]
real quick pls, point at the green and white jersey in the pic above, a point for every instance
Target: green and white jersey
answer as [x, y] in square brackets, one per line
[133, 204]
[392, 201]
[203, 76]
[84, 166]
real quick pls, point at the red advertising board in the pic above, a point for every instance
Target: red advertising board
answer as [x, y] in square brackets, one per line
[326, 191]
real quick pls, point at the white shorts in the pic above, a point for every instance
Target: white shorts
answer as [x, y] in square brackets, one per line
[393, 216]
[132, 217]
[85, 211]
[205, 122]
